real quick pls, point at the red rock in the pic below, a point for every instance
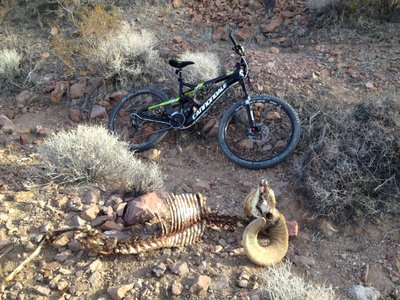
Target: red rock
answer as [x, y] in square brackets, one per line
[274, 24]
[75, 115]
[59, 91]
[77, 90]
[245, 34]
[116, 96]
[6, 125]
[219, 34]
[110, 225]
[293, 228]
[288, 14]
[25, 97]
[98, 111]
[141, 209]
[201, 186]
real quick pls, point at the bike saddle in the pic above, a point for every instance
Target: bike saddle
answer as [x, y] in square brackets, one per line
[180, 64]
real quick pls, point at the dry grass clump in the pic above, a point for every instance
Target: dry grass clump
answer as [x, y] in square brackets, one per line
[384, 10]
[109, 47]
[89, 154]
[351, 159]
[282, 284]
[10, 61]
[128, 55]
[206, 66]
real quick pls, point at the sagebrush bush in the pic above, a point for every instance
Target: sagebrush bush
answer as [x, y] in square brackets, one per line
[206, 66]
[282, 284]
[351, 158]
[384, 10]
[10, 61]
[89, 154]
[129, 55]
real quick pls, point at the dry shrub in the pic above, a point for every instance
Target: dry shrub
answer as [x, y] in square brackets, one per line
[10, 61]
[384, 10]
[206, 66]
[109, 47]
[128, 55]
[89, 154]
[282, 284]
[351, 157]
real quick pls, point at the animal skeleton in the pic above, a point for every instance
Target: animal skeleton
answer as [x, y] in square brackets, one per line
[186, 220]
[184, 224]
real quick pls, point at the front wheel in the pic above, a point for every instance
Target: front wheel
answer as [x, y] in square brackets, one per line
[274, 136]
[138, 133]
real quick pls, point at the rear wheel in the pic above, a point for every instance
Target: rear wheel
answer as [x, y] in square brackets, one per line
[139, 134]
[273, 138]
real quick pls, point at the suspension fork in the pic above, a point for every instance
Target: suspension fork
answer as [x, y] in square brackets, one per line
[249, 111]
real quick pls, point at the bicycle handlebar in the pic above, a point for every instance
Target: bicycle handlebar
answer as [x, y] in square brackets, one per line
[236, 47]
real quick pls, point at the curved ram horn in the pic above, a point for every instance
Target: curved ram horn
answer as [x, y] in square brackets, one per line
[278, 245]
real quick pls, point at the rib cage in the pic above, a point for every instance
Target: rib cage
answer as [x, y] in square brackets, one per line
[183, 226]
[185, 210]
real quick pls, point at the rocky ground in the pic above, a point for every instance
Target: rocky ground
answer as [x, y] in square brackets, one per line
[289, 59]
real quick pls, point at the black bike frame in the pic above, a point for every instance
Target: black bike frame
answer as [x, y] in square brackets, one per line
[237, 76]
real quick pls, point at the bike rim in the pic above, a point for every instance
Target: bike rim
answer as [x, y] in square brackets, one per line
[267, 141]
[139, 133]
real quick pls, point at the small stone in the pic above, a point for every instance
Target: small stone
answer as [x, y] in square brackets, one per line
[100, 220]
[77, 90]
[6, 125]
[97, 112]
[180, 269]
[142, 209]
[95, 266]
[176, 288]
[75, 204]
[201, 186]
[201, 285]
[274, 50]
[118, 292]
[61, 241]
[75, 115]
[91, 213]
[299, 260]
[218, 249]
[360, 292]
[120, 208]
[272, 25]
[245, 34]
[74, 245]
[243, 283]
[76, 221]
[159, 269]
[152, 154]
[110, 225]
[91, 197]
[220, 283]
[41, 290]
[293, 228]
[59, 91]
[5, 243]
[62, 285]
[63, 256]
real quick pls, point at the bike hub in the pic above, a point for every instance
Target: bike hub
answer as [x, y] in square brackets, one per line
[177, 120]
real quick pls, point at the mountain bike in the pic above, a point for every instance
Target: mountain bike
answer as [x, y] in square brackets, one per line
[256, 132]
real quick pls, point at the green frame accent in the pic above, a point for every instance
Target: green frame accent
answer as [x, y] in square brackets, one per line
[196, 88]
[164, 103]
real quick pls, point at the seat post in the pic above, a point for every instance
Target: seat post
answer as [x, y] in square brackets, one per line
[180, 80]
